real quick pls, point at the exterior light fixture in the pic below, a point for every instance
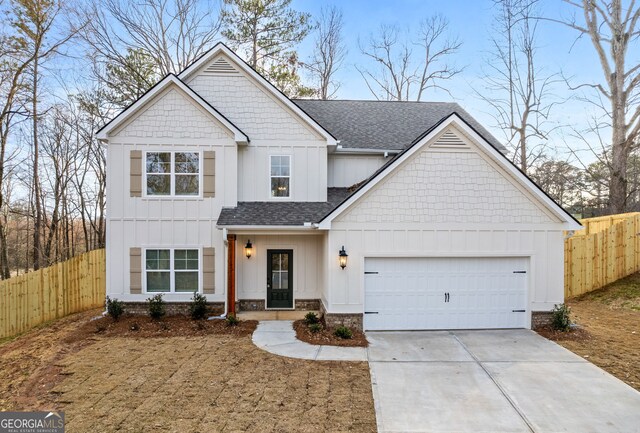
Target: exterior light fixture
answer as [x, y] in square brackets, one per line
[342, 256]
[247, 249]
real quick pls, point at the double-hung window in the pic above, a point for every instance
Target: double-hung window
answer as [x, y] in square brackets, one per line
[280, 175]
[172, 270]
[173, 173]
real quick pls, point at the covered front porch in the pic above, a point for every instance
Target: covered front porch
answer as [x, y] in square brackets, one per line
[275, 274]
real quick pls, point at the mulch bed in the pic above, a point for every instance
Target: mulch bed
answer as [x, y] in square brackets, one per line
[326, 337]
[578, 334]
[168, 326]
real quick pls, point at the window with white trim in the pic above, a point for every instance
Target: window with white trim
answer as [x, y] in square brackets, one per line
[280, 175]
[172, 270]
[173, 173]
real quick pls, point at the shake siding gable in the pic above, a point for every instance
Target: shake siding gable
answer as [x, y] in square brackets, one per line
[172, 114]
[249, 105]
[447, 185]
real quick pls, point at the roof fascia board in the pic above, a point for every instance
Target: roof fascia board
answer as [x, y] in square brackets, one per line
[222, 48]
[103, 134]
[454, 118]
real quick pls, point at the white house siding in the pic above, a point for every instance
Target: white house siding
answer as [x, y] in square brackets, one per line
[273, 130]
[308, 180]
[347, 170]
[164, 222]
[446, 203]
[251, 274]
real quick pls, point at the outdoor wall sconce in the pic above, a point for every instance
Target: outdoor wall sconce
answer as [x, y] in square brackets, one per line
[247, 249]
[342, 256]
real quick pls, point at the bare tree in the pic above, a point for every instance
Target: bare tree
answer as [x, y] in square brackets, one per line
[519, 92]
[612, 28]
[401, 75]
[34, 23]
[329, 52]
[173, 33]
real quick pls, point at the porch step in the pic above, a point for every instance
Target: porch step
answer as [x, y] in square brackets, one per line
[273, 315]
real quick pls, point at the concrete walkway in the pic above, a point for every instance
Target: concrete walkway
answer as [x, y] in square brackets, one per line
[492, 381]
[279, 338]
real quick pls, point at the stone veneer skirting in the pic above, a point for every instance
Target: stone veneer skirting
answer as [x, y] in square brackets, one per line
[350, 320]
[259, 304]
[141, 308]
[541, 318]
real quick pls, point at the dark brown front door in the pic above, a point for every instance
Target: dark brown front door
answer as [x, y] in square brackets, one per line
[279, 278]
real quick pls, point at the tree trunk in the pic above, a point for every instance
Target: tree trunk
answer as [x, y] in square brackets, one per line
[37, 222]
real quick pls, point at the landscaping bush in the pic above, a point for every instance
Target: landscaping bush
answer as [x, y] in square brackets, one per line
[561, 317]
[310, 318]
[232, 320]
[343, 332]
[315, 327]
[157, 306]
[198, 306]
[115, 308]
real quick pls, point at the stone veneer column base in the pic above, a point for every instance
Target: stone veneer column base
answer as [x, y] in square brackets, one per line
[540, 319]
[142, 308]
[259, 305]
[333, 320]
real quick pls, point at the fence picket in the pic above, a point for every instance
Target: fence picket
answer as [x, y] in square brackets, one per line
[49, 293]
[607, 249]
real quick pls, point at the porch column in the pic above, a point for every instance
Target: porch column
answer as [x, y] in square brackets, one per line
[231, 275]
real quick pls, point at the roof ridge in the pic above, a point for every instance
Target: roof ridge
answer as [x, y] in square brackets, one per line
[374, 100]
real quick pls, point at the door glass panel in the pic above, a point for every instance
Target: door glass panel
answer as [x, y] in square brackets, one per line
[284, 262]
[275, 262]
[284, 279]
[275, 280]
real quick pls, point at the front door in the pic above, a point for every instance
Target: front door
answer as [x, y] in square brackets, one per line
[279, 278]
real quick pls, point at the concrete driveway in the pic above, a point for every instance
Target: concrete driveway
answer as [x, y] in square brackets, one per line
[492, 381]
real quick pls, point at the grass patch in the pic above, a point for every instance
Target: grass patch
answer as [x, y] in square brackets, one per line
[624, 294]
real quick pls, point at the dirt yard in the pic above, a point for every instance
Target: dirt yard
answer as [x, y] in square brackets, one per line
[610, 334]
[108, 379]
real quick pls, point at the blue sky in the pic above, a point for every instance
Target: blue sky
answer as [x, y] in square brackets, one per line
[472, 21]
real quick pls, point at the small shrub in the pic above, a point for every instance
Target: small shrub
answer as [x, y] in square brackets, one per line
[157, 306]
[561, 317]
[115, 308]
[232, 320]
[315, 327]
[310, 318]
[198, 306]
[343, 332]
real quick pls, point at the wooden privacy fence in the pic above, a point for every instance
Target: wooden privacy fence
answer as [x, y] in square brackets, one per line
[50, 293]
[607, 249]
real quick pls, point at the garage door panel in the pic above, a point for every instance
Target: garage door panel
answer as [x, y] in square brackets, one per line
[409, 293]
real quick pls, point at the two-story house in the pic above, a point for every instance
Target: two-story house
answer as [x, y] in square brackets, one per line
[383, 215]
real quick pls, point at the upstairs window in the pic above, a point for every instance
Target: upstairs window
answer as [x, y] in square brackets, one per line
[173, 173]
[280, 175]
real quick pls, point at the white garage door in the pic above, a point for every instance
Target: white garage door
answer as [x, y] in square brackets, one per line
[445, 293]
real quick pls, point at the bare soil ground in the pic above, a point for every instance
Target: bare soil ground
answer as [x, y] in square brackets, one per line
[609, 333]
[326, 337]
[108, 377]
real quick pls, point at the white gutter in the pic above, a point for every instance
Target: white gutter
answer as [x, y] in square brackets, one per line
[350, 150]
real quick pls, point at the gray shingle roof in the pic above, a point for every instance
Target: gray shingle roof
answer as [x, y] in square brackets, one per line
[387, 125]
[281, 213]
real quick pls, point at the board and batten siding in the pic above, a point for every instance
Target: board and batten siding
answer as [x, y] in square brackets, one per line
[307, 264]
[347, 170]
[447, 202]
[154, 222]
